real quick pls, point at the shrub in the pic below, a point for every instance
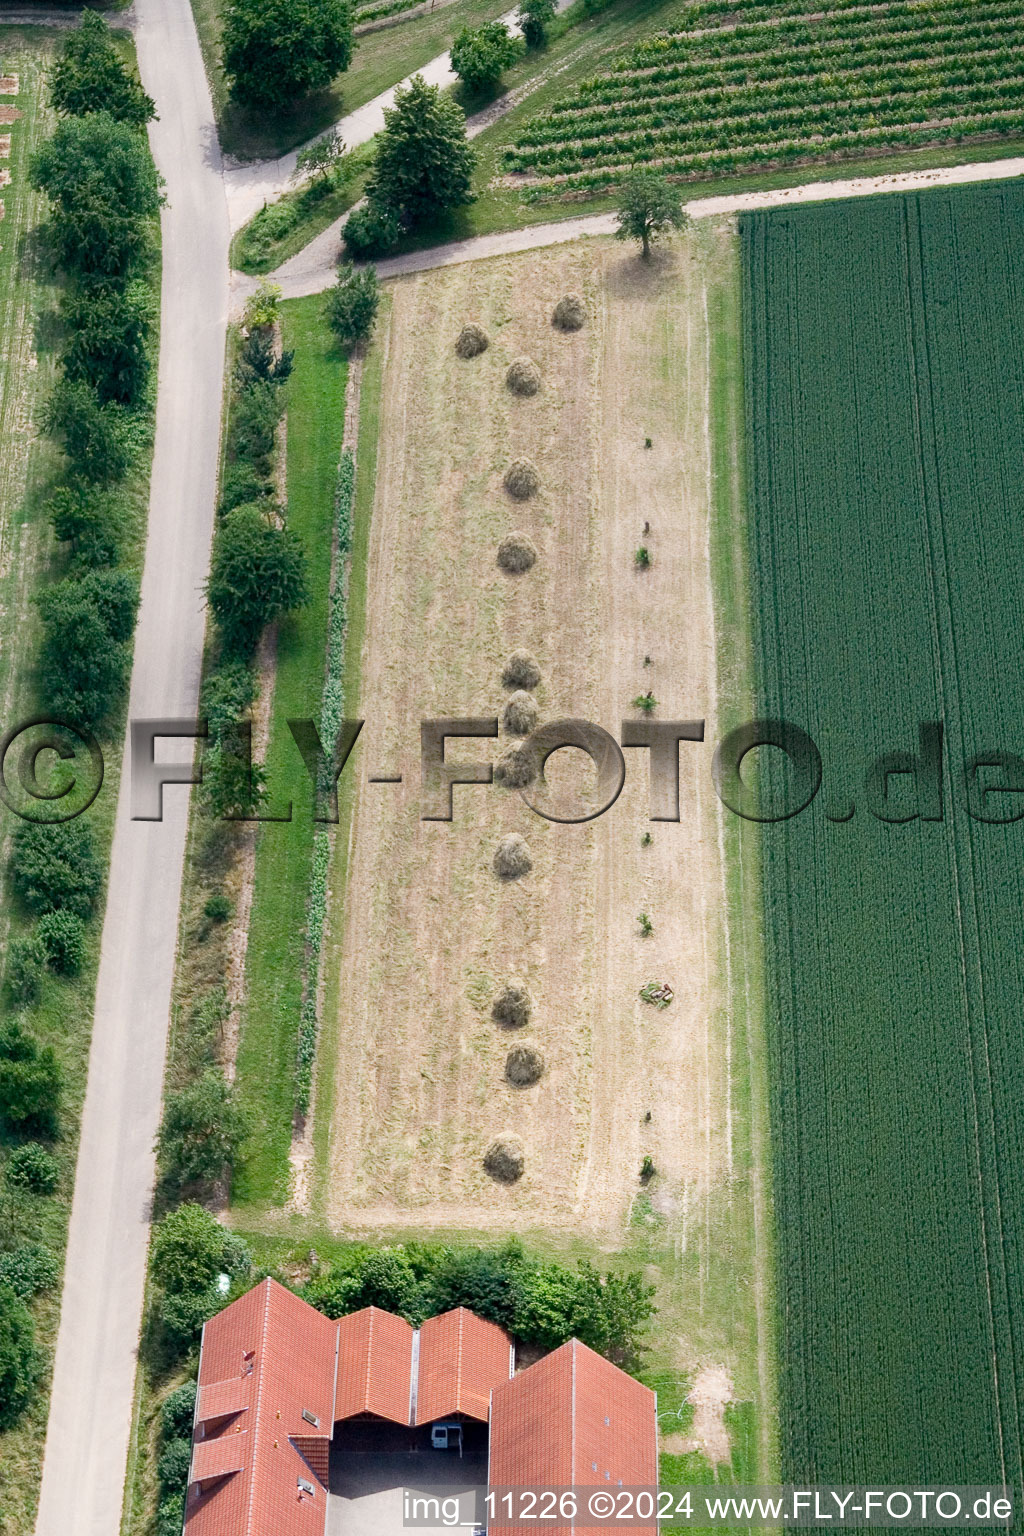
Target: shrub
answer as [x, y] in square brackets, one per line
[524, 1066]
[93, 435]
[480, 55]
[202, 1130]
[522, 479]
[85, 660]
[258, 361]
[512, 858]
[218, 907]
[646, 702]
[261, 307]
[33, 1169]
[371, 230]
[642, 557]
[26, 958]
[188, 1251]
[483, 1280]
[228, 695]
[278, 50]
[521, 671]
[29, 1081]
[645, 924]
[243, 485]
[178, 1410]
[55, 868]
[513, 1006]
[471, 341]
[505, 1161]
[88, 519]
[570, 313]
[102, 184]
[351, 306]
[516, 768]
[523, 376]
[520, 714]
[19, 1362]
[319, 160]
[108, 328]
[62, 935]
[170, 1515]
[258, 574]
[88, 76]
[516, 554]
[647, 1169]
[29, 1270]
[183, 1316]
[172, 1468]
[535, 16]
[255, 415]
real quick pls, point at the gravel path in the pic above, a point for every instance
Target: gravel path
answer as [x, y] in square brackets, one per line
[314, 268]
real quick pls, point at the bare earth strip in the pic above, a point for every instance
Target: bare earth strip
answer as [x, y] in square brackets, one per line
[429, 932]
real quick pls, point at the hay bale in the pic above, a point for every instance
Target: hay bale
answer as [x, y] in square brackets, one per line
[516, 768]
[505, 1161]
[523, 376]
[516, 554]
[570, 313]
[512, 858]
[472, 340]
[521, 671]
[524, 1066]
[522, 479]
[512, 1006]
[521, 714]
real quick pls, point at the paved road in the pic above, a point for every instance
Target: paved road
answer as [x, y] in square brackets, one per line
[315, 267]
[94, 1377]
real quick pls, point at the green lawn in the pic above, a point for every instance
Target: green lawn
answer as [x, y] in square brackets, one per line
[884, 359]
[277, 928]
[381, 59]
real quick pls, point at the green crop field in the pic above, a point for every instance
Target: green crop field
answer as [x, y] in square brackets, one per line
[884, 344]
[745, 86]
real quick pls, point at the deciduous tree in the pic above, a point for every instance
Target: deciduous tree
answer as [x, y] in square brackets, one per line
[89, 76]
[648, 206]
[278, 50]
[424, 163]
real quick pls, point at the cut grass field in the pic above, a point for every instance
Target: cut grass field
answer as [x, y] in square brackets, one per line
[410, 1087]
[29, 466]
[276, 945]
[380, 59]
[884, 365]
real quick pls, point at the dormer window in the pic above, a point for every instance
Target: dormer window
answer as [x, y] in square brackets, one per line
[311, 1418]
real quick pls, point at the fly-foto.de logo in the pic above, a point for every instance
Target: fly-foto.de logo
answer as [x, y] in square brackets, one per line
[51, 771]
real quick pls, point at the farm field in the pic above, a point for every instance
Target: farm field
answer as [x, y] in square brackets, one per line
[410, 1089]
[752, 87]
[884, 366]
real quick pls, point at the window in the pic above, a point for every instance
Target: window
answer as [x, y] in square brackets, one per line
[311, 1418]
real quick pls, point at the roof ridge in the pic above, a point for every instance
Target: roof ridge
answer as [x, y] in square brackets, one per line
[268, 1292]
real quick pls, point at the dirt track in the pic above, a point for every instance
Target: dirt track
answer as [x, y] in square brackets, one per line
[429, 933]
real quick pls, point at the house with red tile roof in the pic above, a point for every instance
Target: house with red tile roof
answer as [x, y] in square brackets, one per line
[282, 1389]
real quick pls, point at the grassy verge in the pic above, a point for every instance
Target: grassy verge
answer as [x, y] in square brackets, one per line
[381, 58]
[284, 228]
[29, 469]
[275, 964]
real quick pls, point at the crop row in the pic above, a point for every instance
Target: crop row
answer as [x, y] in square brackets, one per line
[805, 121]
[751, 157]
[884, 362]
[771, 96]
[794, 56]
[753, 95]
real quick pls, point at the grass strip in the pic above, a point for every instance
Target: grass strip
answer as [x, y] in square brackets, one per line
[276, 952]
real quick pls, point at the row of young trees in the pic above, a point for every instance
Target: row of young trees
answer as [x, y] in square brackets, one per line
[102, 188]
